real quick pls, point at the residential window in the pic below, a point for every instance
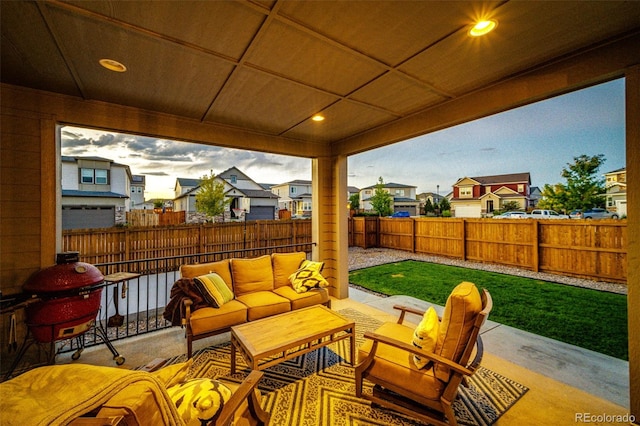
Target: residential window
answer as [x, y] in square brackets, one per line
[94, 176]
[466, 192]
[400, 192]
[234, 179]
[520, 188]
[86, 176]
[293, 190]
[101, 177]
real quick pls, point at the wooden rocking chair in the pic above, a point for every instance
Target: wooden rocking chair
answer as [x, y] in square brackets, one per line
[386, 359]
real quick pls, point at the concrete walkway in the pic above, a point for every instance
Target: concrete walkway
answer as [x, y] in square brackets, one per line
[600, 375]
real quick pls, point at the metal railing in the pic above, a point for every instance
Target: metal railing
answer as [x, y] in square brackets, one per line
[140, 290]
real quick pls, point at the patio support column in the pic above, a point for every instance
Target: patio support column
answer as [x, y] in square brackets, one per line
[329, 223]
[632, 101]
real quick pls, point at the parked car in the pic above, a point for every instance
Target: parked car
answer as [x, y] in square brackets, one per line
[512, 215]
[401, 214]
[594, 213]
[547, 214]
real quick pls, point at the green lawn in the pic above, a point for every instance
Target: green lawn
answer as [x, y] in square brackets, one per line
[587, 318]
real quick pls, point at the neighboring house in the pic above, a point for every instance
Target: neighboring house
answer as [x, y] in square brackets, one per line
[249, 201]
[95, 192]
[294, 196]
[433, 198]
[404, 198]
[535, 195]
[616, 185]
[138, 183]
[481, 195]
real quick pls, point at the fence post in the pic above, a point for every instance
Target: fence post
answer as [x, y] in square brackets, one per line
[413, 235]
[200, 239]
[535, 246]
[463, 238]
[127, 244]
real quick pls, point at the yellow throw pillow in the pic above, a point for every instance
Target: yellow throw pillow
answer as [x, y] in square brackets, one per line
[199, 401]
[213, 289]
[425, 336]
[304, 279]
[310, 264]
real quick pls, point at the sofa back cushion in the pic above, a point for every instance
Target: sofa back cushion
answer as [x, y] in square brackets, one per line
[463, 305]
[221, 268]
[251, 275]
[285, 264]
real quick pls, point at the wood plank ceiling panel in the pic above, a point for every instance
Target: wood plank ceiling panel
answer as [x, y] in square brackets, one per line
[528, 33]
[260, 101]
[297, 55]
[161, 75]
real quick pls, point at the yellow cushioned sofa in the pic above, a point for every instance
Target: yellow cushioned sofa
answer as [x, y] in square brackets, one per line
[261, 287]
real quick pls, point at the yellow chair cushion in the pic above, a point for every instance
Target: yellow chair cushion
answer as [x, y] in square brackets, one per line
[306, 278]
[425, 336]
[396, 366]
[221, 268]
[251, 275]
[173, 374]
[285, 264]
[213, 289]
[462, 307]
[199, 400]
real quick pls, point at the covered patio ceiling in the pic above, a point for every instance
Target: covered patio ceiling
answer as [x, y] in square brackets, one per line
[370, 68]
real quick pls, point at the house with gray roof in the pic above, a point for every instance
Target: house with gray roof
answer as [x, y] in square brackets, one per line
[481, 195]
[404, 198]
[95, 192]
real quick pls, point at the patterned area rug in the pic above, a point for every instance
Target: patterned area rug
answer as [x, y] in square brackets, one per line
[318, 388]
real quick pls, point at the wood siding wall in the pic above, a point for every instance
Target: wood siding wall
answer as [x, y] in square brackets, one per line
[583, 248]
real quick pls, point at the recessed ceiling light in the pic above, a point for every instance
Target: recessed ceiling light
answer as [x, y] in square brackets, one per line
[112, 65]
[483, 27]
[317, 117]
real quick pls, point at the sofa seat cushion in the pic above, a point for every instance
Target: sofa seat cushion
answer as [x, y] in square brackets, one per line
[316, 296]
[285, 264]
[397, 366]
[251, 275]
[211, 319]
[262, 304]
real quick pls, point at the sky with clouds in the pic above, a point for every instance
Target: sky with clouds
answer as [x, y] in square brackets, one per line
[541, 139]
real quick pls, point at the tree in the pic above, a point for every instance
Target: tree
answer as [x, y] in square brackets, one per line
[509, 206]
[584, 188]
[381, 199]
[428, 207]
[354, 201]
[210, 199]
[444, 205]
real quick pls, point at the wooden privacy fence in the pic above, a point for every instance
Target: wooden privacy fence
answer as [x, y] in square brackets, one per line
[584, 248]
[151, 218]
[111, 245]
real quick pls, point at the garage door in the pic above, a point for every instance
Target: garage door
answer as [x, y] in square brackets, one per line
[261, 213]
[467, 211]
[88, 217]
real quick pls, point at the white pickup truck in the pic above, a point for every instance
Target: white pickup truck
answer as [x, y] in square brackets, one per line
[547, 214]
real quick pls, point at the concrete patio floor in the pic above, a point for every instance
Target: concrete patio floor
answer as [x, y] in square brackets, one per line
[564, 381]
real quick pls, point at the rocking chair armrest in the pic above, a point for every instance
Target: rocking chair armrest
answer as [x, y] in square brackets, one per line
[379, 338]
[407, 309]
[246, 391]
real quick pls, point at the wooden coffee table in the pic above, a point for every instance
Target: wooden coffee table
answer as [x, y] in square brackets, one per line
[270, 341]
